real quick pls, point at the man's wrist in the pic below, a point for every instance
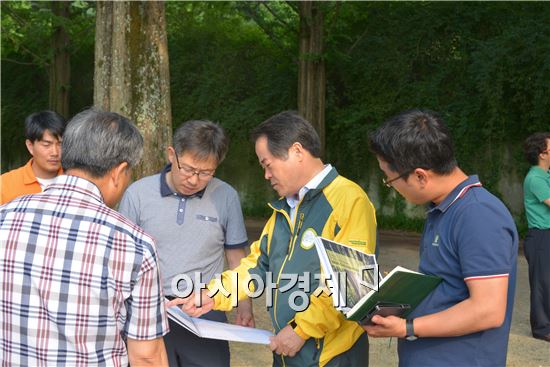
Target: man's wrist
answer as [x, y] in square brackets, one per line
[215, 301]
[298, 330]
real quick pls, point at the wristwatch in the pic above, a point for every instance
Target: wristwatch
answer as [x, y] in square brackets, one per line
[410, 330]
[293, 324]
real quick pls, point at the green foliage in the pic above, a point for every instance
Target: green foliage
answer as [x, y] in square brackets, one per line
[28, 93]
[485, 66]
[27, 28]
[401, 222]
[223, 68]
[235, 76]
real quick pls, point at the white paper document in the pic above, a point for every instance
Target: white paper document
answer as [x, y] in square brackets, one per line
[219, 330]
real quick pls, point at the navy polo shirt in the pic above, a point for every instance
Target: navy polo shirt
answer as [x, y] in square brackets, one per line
[470, 235]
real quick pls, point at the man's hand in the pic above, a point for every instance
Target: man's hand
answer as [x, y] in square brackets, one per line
[188, 305]
[484, 309]
[286, 342]
[143, 353]
[386, 327]
[244, 314]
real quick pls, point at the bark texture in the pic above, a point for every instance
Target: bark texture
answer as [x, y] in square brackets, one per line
[132, 73]
[311, 75]
[60, 66]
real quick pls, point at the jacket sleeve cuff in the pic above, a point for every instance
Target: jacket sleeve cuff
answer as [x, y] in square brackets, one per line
[298, 330]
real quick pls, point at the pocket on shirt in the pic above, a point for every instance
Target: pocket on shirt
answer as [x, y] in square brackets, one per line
[207, 218]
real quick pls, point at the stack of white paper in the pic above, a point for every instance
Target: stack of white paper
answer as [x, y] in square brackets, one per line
[219, 330]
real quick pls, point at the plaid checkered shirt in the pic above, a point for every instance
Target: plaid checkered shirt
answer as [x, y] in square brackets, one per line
[76, 278]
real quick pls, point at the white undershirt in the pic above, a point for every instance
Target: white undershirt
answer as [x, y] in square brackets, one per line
[44, 182]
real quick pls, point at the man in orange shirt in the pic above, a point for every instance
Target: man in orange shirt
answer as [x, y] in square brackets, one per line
[43, 132]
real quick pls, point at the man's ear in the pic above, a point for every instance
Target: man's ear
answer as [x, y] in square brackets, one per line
[30, 146]
[118, 174]
[422, 176]
[297, 150]
[170, 153]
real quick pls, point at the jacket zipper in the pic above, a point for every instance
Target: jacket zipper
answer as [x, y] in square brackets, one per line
[296, 235]
[318, 344]
[280, 272]
[293, 237]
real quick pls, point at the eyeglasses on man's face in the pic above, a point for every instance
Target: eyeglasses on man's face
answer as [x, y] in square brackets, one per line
[189, 171]
[388, 183]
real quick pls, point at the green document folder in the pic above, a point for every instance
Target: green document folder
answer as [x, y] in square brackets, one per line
[356, 294]
[399, 286]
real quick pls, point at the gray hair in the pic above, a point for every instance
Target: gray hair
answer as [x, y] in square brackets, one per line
[97, 141]
[201, 138]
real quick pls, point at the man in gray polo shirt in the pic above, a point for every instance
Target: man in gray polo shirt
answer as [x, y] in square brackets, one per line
[195, 218]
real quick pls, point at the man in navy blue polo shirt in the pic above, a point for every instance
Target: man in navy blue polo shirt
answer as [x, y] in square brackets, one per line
[469, 240]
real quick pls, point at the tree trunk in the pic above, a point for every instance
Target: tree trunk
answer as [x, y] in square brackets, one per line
[60, 65]
[131, 73]
[311, 76]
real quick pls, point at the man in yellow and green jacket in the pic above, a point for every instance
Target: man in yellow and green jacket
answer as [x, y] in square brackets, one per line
[315, 201]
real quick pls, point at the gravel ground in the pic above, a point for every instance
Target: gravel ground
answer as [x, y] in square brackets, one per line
[399, 248]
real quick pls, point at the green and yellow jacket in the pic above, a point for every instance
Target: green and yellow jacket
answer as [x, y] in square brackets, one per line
[338, 210]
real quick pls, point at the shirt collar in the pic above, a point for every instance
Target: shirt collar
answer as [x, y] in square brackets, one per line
[29, 176]
[293, 200]
[458, 193]
[165, 190]
[539, 171]
[76, 184]
[28, 173]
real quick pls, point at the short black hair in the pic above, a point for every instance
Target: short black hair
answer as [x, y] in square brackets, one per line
[37, 123]
[534, 145]
[285, 129]
[203, 138]
[414, 139]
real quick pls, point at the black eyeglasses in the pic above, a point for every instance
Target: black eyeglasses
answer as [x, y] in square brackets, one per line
[388, 182]
[189, 171]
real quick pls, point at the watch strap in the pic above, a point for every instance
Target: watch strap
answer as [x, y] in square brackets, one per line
[409, 325]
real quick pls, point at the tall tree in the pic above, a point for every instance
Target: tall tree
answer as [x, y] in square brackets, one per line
[38, 34]
[311, 75]
[131, 72]
[60, 65]
[279, 21]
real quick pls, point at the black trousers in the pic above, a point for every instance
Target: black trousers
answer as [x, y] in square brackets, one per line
[537, 253]
[185, 349]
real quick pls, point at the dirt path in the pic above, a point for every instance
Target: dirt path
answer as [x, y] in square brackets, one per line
[400, 248]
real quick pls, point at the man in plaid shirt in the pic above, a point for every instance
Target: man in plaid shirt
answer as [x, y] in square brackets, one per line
[79, 282]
